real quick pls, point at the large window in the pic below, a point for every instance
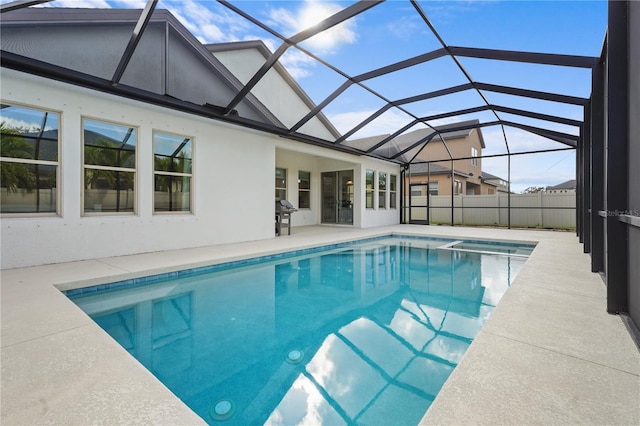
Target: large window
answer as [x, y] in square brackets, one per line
[382, 190]
[304, 190]
[109, 167]
[173, 159]
[28, 160]
[369, 188]
[281, 184]
[392, 191]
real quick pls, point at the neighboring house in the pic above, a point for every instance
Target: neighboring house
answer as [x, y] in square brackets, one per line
[500, 184]
[102, 169]
[432, 171]
[568, 187]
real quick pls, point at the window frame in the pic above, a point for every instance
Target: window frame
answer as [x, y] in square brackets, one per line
[28, 161]
[84, 166]
[284, 188]
[177, 174]
[382, 190]
[369, 191]
[393, 191]
[433, 187]
[304, 190]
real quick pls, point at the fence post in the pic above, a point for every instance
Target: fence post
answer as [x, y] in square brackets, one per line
[540, 215]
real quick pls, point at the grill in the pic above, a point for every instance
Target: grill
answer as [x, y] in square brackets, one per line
[284, 209]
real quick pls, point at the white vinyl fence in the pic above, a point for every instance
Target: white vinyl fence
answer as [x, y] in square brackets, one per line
[527, 210]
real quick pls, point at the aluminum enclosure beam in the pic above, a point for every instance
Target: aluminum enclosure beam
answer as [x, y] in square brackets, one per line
[616, 159]
[564, 138]
[19, 4]
[65, 75]
[507, 110]
[368, 75]
[527, 57]
[330, 22]
[141, 25]
[597, 135]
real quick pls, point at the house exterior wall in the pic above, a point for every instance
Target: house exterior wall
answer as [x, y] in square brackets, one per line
[223, 211]
[444, 184]
[232, 183]
[295, 157]
[460, 148]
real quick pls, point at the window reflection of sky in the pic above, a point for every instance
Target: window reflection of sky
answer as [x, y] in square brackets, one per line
[376, 336]
[27, 119]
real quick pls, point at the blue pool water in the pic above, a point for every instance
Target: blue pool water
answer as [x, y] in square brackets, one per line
[364, 333]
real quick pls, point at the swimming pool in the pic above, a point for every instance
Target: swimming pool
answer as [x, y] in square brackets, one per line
[365, 332]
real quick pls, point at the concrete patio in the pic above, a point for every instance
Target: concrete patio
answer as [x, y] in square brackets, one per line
[549, 354]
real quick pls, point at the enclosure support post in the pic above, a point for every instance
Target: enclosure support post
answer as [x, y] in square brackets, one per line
[617, 157]
[509, 191]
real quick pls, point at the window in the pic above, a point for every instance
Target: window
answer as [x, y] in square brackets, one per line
[474, 156]
[369, 188]
[457, 187]
[109, 167]
[304, 190]
[392, 191]
[28, 160]
[172, 162]
[281, 184]
[382, 190]
[433, 188]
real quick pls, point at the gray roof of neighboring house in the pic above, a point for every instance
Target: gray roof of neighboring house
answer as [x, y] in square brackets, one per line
[570, 184]
[489, 176]
[405, 140]
[432, 168]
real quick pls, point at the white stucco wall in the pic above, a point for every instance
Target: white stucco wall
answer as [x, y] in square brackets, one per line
[233, 181]
[232, 184]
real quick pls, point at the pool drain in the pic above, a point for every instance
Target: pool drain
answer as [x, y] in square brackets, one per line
[222, 410]
[295, 356]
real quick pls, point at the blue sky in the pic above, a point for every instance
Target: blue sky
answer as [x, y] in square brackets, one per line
[393, 31]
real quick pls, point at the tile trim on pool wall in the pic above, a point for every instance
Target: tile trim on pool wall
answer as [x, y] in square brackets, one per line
[150, 279]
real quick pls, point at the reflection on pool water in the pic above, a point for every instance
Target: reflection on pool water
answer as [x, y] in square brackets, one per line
[363, 334]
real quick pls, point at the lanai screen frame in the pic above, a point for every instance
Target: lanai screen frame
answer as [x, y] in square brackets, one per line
[227, 112]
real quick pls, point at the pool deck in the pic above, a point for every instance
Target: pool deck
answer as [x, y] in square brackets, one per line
[549, 354]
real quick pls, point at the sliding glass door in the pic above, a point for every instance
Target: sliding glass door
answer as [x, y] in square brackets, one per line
[337, 197]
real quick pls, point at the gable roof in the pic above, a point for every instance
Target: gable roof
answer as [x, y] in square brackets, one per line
[284, 74]
[84, 46]
[410, 142]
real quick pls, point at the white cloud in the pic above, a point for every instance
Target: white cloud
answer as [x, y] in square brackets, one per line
[406, 27]
[387, 123]
[131, 4]
[208, 21]
[311, 13]
[88, 4]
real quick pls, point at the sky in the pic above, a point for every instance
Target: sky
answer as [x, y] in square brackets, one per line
[393, 31]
